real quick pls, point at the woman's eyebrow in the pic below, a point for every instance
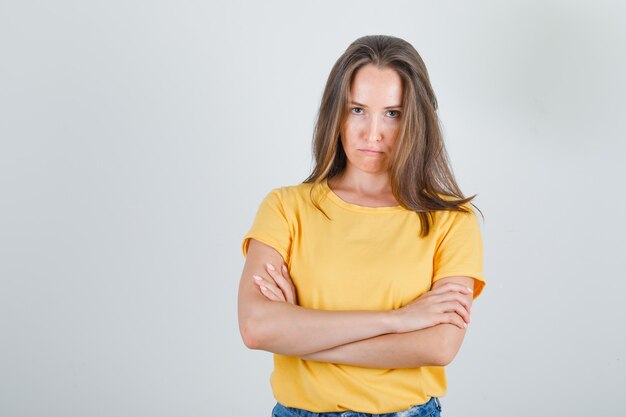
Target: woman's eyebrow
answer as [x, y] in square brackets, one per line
[398, 106]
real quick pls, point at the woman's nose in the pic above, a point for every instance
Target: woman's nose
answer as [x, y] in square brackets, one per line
[374, 133]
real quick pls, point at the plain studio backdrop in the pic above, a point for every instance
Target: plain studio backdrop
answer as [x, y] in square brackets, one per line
[138, 139]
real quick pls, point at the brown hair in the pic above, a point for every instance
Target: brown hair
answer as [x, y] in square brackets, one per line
[421, 177]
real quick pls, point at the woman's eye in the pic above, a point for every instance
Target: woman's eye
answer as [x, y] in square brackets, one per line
[357, 110]
[393, 113]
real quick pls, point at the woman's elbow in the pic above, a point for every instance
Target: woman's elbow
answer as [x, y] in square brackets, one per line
[448, 348]
[443, 358]
[257, 329]
[252, 322]
[250, 334]
[248, 337]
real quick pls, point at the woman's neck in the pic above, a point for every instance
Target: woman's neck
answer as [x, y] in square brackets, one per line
[364, 189]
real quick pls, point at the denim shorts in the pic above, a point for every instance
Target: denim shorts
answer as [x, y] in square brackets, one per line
[432, 408]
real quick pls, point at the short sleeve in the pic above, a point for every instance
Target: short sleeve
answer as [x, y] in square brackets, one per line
[460, 250]
[270, 226]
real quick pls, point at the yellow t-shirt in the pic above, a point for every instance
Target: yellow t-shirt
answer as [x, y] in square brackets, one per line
[362, 258]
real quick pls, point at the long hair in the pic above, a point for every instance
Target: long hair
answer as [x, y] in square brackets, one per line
[421, 177]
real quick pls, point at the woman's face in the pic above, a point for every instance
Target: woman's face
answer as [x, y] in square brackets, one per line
[370, 127]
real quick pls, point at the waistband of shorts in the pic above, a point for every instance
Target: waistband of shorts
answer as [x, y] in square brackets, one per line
[420, 410]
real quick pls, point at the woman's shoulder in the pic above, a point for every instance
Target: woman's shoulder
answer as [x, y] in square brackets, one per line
[293, 194]
[463, 219]
[293, 190]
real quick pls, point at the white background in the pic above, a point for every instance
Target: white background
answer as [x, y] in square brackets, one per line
[138, 138]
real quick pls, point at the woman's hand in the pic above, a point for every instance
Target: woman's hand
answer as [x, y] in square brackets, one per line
[445, 304]
[280, 287]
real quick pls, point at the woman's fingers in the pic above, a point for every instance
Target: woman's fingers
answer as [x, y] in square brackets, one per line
[283, 282]
[269, 294]
[291, 294]
[269, 289]
[458, 308]
[278, 287]
[452, 286]
[434, 298]
[450, 303]
[455, 319]
[264, 290]
[455, 297]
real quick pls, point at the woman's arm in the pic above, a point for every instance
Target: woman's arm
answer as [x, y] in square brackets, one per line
[434, 346]
[289, 329]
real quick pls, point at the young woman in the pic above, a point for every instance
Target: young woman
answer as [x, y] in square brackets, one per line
[361, 279]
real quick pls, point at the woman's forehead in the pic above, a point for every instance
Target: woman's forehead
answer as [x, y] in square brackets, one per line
[372, 85]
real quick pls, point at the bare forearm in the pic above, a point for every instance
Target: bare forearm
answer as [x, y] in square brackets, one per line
[289, 329]
[434, 346]
[293, 330]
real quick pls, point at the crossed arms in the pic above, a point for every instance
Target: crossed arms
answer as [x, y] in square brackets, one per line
[427, 332]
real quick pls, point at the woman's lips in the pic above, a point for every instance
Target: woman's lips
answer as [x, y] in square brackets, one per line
[371, 152]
